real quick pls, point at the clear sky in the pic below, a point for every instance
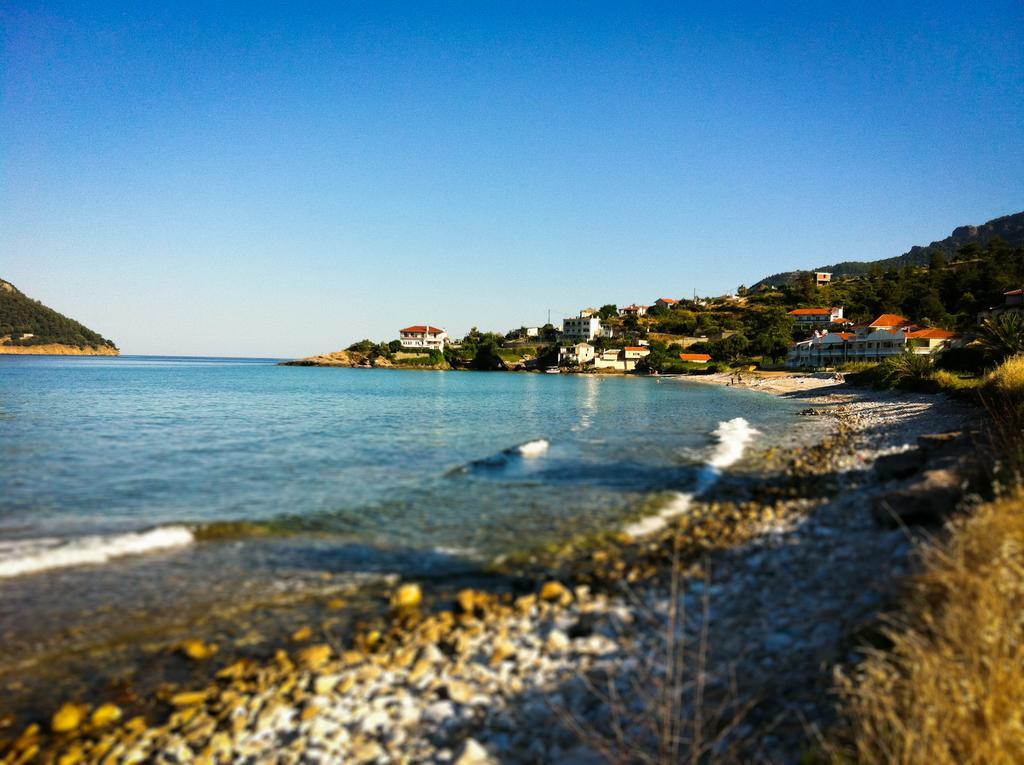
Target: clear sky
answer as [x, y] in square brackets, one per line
[281, 179]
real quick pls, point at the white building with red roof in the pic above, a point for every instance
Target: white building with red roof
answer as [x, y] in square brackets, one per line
[888, 335]
[423, 336]
[633, 310]
[810, 316]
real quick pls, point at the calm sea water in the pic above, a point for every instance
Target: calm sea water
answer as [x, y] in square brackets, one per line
[406, 458]
[329, 473]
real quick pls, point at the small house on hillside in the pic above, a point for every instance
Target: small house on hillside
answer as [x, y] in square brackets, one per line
[666, 303]
[822, 278]
[423, 336]
[634, 310]
[810, 316]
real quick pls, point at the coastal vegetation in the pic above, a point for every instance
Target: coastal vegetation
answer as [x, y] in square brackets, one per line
[1008, 228]
[946, 684]
[26, 323]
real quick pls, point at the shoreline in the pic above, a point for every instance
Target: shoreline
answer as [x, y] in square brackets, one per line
[57, 349]
[486, 669]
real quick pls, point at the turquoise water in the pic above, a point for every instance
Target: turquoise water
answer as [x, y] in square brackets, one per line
[123, 479]
[385, 457]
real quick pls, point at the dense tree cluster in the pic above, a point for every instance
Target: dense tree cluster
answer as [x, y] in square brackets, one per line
[20, 315]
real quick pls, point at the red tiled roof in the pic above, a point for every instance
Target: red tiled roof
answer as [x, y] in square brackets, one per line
[667, 300]
[890, 320]
[842, 321]
[695, 357]
[422, 328]
[810, 311]
[933, 333]
[637, 348]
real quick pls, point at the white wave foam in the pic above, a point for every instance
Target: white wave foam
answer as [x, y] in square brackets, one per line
[733, 436]
[677, 505]
[30, 556]
[532, 449]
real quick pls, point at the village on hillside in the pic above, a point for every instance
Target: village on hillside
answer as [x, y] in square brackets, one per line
[938, 314]
[613, 339]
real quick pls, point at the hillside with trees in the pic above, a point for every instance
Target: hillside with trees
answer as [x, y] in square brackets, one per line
[1008, 228]
[28, 326]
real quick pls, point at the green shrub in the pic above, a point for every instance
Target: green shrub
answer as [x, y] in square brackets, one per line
[909, 371]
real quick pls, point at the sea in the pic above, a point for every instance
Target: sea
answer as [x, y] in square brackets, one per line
[145, 500]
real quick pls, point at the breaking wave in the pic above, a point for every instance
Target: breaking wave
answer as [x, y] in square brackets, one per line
[529, 450]
[29, 556]
[733, 436]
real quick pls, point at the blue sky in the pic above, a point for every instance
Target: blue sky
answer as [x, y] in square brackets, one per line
[281, 179]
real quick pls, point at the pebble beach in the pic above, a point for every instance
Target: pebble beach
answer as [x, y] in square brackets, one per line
[718, 633]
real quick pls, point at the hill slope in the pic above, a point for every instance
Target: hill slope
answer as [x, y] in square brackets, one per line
[28, 326]
[1009, 228]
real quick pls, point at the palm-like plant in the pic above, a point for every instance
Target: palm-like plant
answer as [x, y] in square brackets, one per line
[1002, 335]
[907, 370]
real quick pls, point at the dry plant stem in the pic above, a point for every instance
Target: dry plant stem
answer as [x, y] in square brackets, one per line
[648, 717]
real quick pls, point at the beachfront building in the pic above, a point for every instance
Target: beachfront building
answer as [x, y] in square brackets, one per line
[577, 355]
[666, 303]
[695, 358]
[807, 317]
[888, 335]
[621, 359]
[423, 336]
[634, 310]
[581, 328]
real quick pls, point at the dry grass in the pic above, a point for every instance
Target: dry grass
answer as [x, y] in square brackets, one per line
[951, 687]
[1008, 378]
[659, 709]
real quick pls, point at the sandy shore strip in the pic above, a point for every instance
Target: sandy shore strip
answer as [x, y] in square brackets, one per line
[773, 579]
[768, 382]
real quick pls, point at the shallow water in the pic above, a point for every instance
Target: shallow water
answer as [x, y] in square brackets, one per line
[281, 485]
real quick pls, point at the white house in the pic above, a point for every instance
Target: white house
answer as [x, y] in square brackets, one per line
[888, 335]
[808, 316]
[576, 355]
[633, 310]
[423, 336]
[532, 331]
[583, 328]
[624, 359]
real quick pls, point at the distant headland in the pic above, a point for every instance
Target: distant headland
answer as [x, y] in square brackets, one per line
[29, 327]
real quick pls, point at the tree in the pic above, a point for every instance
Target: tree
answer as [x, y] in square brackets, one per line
[728, 349]
[608, 311]
[771, 332]
[395, 346]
